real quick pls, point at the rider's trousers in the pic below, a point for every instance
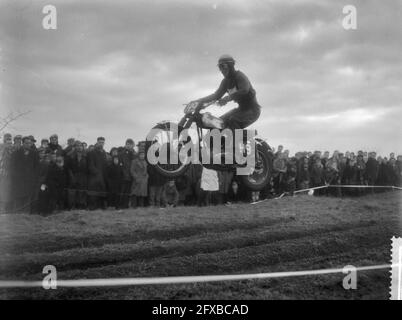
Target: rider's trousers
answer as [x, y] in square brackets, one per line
[240, 118]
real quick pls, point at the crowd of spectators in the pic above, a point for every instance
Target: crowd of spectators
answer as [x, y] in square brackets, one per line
[313, 169]
[48, 178]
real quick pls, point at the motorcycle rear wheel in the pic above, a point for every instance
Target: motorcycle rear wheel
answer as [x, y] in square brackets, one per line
[261, 176]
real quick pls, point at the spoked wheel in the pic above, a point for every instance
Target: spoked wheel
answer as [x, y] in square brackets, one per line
[167, 150]
[261, 174]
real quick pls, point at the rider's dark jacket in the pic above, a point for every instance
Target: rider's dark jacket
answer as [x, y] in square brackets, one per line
[239, 88]
[237, 85]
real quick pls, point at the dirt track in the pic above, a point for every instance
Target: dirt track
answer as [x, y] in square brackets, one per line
[299, 233]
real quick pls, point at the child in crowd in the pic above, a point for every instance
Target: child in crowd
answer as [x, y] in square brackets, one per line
[170, 194]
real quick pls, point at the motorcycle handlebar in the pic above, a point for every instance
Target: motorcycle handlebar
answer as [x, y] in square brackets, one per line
[190, 108]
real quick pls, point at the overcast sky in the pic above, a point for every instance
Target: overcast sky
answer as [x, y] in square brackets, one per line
[115, 68]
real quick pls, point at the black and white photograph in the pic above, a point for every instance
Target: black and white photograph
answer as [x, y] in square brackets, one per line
[200, 154]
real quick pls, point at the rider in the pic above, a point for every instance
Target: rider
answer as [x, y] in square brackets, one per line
[239, 89]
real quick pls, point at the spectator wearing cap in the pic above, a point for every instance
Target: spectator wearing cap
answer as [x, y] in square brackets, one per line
[17, 142]
[54, 146]
[24, 170]
[141, 146]
[97, 165]
[139, 174]
[325, 158]
[70, 147]
[279, 151]
[126, 156]
[33, 142]
[85, 146]
[77, 171]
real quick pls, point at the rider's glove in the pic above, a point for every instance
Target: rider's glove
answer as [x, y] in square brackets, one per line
[190, 107]
[224, 101]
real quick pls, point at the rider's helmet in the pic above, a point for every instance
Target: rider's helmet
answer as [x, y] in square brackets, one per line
[226, 58]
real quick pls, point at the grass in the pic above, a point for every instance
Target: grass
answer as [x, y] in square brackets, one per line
[293, 233]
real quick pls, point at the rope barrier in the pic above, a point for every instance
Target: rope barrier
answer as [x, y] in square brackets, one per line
[116, 282]
[357, 186]
[327, 186]
[308, 189]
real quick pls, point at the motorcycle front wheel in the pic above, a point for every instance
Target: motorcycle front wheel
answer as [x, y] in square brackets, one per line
[168, 149]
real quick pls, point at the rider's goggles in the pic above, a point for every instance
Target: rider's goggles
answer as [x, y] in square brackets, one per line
[222, 65]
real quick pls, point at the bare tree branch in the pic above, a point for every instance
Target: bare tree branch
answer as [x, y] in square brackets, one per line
[11, 117]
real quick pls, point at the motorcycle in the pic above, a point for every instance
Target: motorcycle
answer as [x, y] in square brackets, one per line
[172, 140]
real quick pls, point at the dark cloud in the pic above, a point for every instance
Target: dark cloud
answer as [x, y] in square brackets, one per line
[116, 67]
